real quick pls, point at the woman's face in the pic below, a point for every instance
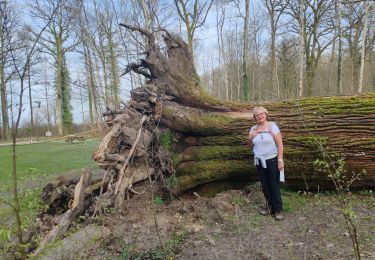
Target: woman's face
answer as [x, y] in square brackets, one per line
[260, 117]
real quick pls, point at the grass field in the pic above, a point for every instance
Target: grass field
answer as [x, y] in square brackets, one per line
[45, 159]
[37, 165]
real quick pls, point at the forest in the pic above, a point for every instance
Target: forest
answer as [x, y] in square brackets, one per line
[243, 50]
[164, 90]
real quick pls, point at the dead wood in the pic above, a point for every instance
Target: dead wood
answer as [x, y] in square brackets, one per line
[59, 195]
[212, 133]
[126, 182]
[99, 154]
[68, 217]
[208, 139]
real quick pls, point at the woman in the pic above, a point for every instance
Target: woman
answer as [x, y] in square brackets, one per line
[268, 158]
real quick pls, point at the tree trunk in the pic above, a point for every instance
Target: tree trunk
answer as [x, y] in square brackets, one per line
[30, 102]
[339, 58]
[274, 78]
[207, 138]
[4, 105]
[245, 56]
[210, 136]
[114, 71]
[363, 48]
[216, 143]
[90, 84]
[5, 134]
[301, 48]
[59, 87]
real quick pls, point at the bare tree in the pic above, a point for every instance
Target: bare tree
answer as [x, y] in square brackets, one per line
[105, 21]
[26, 35]
[8, 26]
[220, 20]
[314, 24]
[149, 13]
[258, 45]
[87, 26]
[353, 15]
[232, 50]
[46, 96]
[288, 59]
[339, 60]
[302, 47]
[275, 9]
[193, 13]
[337, 34]
[245, 50]
[363, 49]
[21, 70]
[100, 34]
[56, 42]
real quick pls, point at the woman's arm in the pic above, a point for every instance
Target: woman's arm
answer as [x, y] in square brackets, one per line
[280, 151]
[252, 134]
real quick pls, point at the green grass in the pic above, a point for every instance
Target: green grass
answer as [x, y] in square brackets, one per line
[293, 201]
[27, 139]
[44, 159]
[158, 200]
[37, 165]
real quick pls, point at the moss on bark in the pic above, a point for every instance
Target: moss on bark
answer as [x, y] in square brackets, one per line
[213, 170]
[343, 126]
[200, 153]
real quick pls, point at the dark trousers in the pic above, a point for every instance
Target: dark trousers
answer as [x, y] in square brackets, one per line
[270, 180]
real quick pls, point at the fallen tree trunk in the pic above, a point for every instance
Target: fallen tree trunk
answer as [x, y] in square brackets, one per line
[210, 135]
[171, 121]
[313, 129]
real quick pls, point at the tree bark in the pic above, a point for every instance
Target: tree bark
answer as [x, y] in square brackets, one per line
[301, 49]
[363, 48]
[4, 105]
[68, 217]
[245, 56]
[30, 101]
[217, 141]
[206, 139]
[210, 136]
[339, 60]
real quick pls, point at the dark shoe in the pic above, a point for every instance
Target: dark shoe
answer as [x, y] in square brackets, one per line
[264, 211]
[279, 217]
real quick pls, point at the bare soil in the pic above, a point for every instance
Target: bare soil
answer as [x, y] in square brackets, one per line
[228, 226]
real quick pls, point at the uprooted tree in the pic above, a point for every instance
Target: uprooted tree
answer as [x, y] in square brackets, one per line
[209, 136]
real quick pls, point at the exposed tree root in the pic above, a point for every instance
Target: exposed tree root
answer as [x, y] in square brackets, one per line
[68, 217]
[209, 135]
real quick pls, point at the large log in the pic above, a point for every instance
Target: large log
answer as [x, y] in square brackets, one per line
[209, 135]
[208, 138]
[342, 127]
